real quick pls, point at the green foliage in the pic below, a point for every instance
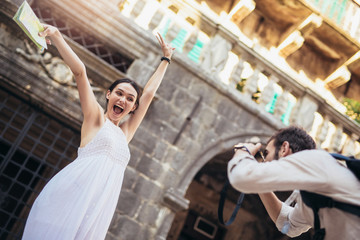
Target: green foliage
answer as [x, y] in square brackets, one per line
[240, 85]
[353, 108]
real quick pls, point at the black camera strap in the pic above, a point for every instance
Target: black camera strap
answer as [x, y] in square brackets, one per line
[222, 202]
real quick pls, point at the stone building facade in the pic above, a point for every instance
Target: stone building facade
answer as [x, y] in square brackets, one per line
[179, 153]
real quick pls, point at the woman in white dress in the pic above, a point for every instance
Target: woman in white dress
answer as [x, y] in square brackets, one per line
[79, 201]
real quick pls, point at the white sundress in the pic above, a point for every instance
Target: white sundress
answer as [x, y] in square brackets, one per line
[80, 200]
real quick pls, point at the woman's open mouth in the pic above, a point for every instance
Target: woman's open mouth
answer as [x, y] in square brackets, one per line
[117, 109]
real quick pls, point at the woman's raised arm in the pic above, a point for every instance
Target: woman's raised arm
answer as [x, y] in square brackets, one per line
[130, 126]
[89, 105]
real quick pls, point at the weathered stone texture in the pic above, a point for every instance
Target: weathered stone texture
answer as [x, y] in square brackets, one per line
[160, 150]
[136, 155]
[144, 140]
[128, 203]
[206, 115]
[131, 176]
[162, 130]
[148, 213]
[176, 159]
[124, 228]
[150, 167]
[179, 75]
[169, 178]
[147, 189]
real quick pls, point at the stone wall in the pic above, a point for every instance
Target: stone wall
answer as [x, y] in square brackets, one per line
[192, 119]
[158, 164]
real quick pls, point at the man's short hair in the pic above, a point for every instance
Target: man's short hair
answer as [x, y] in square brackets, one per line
[297, 137]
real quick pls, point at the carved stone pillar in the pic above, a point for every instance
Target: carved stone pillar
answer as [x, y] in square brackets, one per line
[268, 92]
[335, 144]
[281, 104]
[173, 32]
[322, 132]
[156, 19]
[251, 83]
[216, 54]
[138, 8]
[235, 76]
[191, 41]
[304, 112]
[349, 146]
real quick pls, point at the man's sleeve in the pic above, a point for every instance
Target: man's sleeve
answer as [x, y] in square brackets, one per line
[296, 171]
[291, 221]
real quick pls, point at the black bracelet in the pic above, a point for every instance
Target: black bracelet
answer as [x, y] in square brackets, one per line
[242, 148]
[165, 58]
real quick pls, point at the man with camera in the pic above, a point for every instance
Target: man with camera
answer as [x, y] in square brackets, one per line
[298, 166]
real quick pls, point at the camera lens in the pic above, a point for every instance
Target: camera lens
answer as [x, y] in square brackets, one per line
[259, 156]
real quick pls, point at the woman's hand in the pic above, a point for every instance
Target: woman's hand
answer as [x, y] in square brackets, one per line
[50, 33]
[165, 47]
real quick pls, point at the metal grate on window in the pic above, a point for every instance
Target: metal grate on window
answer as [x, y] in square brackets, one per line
[115, 59]
[33, 148]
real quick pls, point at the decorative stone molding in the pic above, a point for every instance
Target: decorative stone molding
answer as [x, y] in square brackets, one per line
[242, 10]
[175, 200]
[341, 76]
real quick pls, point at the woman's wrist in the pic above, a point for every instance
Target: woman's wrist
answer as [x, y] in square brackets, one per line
[165, 59]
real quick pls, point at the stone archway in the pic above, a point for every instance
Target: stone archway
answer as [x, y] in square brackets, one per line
[222, 145]
[198, 190]
[195, 200]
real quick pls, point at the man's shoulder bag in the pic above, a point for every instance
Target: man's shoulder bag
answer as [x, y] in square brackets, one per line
[317, 201]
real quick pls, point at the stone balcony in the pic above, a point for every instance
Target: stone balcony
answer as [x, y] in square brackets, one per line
[212, 44]
[345, 14]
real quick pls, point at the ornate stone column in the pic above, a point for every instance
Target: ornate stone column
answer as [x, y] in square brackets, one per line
[268, 92]
[335, 144]
[216, 54]
[281, 104]
[322, 132]
[251, 83]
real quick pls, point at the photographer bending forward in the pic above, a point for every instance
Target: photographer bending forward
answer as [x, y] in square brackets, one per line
[298, 166]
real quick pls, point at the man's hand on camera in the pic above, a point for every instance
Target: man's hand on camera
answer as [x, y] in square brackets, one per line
[243, 148]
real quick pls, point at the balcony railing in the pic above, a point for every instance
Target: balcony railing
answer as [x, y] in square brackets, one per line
[239, 63]
[344, 13]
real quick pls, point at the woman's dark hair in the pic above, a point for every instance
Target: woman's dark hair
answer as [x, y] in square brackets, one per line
[297, 137]
[125, 80]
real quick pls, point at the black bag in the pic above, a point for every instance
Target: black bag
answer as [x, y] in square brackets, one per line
[352, 163]
[317, 201]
